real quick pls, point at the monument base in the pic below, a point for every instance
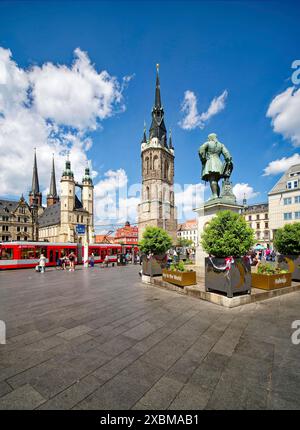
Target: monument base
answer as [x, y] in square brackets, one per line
[205, 213]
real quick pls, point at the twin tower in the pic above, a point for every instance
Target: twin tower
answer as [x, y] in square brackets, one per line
[157, 207]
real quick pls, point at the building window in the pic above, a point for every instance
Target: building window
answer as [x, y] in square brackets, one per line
[250, 218]
[258, 225]
[292, 184]
[257, 216]
[297, 199]
[266, 225]
[18, 238]
[297, 215]
[287, 201]
[18, 229]
[266, 216]
[287, 216]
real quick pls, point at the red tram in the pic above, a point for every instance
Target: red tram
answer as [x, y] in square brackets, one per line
[17, 255]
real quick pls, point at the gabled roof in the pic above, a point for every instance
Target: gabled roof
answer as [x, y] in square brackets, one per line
[292, 173]
[8, 206]
[50, 216]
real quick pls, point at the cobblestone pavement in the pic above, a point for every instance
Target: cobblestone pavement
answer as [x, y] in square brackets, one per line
[100, 339]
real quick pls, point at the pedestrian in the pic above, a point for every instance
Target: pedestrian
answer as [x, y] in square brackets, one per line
[42, 263]
[92, 260]
[106, 260]
[72, 261]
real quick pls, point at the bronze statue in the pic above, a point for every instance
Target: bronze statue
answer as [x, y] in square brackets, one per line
[213, 169]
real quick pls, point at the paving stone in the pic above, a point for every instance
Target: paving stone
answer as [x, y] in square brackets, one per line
[102, 340]
[24, 397]
[68, 398]
[4, 388]
[74, 332]
[161, 395]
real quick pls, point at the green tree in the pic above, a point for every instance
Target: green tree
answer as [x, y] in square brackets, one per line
[227, 234]
[287, 239]
[185, 242]
[155, 240]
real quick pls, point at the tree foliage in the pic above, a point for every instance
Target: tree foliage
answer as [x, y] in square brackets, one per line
[184, 242]
[155, 240]
[287, 239]
[227, 234]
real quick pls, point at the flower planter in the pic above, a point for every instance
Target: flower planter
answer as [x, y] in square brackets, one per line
[271, 282]
[236, 280]
[181, 279]
[290, 263]
[154, 266]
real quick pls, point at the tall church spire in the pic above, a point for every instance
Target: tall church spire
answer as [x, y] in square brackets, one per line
[158, 128]
[52, 197]
[35, 188]
[53, 191]
[35, 197]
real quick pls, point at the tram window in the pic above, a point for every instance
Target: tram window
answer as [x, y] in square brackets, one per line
[39, 251]
[114, 251]
[6, 253]
[27, 253]
[103, 253]
[96, 252]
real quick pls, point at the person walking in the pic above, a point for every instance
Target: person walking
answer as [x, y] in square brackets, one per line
[72, 262]
[42, 263]
[92, 260]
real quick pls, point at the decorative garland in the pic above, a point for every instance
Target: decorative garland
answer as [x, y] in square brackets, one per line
[228, 263]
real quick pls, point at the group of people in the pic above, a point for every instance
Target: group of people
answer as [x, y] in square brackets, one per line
[255, 256]
[64, 263]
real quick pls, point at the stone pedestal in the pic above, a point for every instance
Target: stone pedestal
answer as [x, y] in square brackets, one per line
[205, 213]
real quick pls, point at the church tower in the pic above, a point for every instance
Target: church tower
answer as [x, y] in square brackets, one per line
[67, 203]
[157, 207]
[87, 199]
[52, 197]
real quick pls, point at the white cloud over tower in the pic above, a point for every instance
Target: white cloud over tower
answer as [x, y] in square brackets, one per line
[52, 107]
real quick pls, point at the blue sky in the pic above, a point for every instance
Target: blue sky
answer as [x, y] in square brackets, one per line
[245, 48]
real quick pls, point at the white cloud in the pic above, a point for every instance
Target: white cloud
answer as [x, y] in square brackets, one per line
[188, 198]
[53, 108]
[192, 118]
[78, 96]
[242, 191]
[284, 110]
[280, 166]
[114, 203]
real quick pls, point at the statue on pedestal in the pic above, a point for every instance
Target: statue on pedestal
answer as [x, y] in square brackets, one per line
[213, 169]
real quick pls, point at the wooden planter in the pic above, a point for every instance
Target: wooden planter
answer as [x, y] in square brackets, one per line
[271, 282]
[181, 279]
[290, 263]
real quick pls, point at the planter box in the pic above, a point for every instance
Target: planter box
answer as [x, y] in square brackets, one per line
[290, 263]
[271, 282]
[236, 280]
[154, 266]
[182, 279]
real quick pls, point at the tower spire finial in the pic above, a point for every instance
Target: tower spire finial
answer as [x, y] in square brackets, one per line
[157, 89]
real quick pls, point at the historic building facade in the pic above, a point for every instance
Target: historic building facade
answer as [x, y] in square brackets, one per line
[127, 235]
[157, 207]
[19, 219]
[257, 216]
[16, 221]
[68, 218]
[188, 230]
[284, 200]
